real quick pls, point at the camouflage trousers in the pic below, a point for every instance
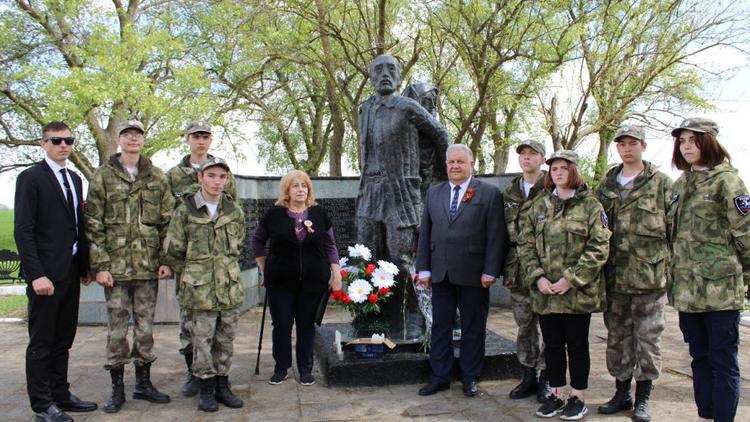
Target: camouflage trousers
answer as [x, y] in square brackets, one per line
[634, 325]
[213, 341]
[185, 322]
[140, 296]
[529, 344]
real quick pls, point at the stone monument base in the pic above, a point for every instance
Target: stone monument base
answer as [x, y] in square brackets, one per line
[405, 364]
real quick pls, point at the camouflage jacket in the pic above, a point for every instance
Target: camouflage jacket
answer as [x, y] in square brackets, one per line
[639, 252]
[565, 238]
[127, 219]
[710, 237]
[514, 203]
[205, 252]
[183, 181]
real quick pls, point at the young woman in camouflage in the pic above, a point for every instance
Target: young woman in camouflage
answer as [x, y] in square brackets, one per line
[564, 242]
[710, 235]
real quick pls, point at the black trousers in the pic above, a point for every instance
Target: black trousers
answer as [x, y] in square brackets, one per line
[473, 303]
[52, 328]
[288, 308]
[566, 333]
[713, 339]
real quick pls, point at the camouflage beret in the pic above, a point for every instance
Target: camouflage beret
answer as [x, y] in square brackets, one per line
[698, 125]
[565, 154]
[535, 145]
[634, 131]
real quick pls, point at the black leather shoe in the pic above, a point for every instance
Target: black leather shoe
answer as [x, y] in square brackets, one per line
[433, 388]
[52, 414]
[471, 389]
[74, 404]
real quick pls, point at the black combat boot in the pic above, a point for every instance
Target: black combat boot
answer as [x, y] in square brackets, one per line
[642, 394]
[543, 390]
[622, 399]
[118, 391]
[224, 395]
[207, 400]
[144, 390]
[190, 388]
[527, 386]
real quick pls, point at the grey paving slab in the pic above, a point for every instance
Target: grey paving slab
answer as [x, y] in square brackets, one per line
[671, 399]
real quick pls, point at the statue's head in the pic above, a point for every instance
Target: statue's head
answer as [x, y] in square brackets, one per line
[385, 74]
[425, 93]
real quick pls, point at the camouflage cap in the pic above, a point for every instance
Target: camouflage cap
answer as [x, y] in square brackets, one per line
[130, 124]
[214, 162]
[698, 125]
[634, 131]
[565, 154]
[535, 145]
[198, 126]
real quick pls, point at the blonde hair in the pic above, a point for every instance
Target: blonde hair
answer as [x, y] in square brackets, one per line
[286, 183]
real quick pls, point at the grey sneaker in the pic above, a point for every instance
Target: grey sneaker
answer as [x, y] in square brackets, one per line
[306, 379]
[551, 407]
[278, 377]
[575, 409]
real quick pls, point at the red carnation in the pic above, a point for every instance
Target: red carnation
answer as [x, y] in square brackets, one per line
[346, 299]
[370, 268]
[372, 298]
[383, 291]
[344, 273]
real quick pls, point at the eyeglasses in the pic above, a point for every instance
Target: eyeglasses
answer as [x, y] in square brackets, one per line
[56, 140]
[132, 135]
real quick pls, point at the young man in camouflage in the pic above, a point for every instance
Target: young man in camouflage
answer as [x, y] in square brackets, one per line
[183, 181]
[636, 198]
[203, 245]
[128, 210]
[518, 195]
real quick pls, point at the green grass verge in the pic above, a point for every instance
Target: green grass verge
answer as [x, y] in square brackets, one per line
[13, 306]
[6, 230]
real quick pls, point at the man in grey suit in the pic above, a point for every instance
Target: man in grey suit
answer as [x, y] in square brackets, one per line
[461, 251]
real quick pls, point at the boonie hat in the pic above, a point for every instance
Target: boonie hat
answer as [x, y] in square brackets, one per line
[198, 126]
[697, 124]
[565, 154]
[130, 124]
[535, 145]
[634, 131]
[214, 162]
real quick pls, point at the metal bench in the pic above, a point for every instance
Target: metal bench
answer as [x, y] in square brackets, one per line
[10, 262]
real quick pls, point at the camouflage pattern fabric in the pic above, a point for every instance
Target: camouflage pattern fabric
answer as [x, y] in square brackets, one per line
[710, 237]
[205, 252]
[185, 322]
[213, 335]
[127, 219]
[634, 326]
[183, 181]
[639, 251]
[514, 202]
[141, 295]
[565, 238]
[529, 344]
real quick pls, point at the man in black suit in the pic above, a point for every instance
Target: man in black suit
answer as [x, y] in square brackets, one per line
[50, 236]
[462, 246]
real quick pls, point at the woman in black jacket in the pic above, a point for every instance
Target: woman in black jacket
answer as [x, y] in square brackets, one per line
[300, 261]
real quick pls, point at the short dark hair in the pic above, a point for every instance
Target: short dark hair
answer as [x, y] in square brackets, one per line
[712, 153]
[54, 126]
[575, 180]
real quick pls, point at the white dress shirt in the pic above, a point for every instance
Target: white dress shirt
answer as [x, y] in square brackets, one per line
[56, 170]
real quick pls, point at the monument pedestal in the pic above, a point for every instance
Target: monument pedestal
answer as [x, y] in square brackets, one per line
[405, 364]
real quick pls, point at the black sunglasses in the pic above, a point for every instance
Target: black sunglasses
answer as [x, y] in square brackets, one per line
[56, 140]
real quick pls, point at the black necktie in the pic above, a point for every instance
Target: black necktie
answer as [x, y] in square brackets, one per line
[454, 202]
[68, 194]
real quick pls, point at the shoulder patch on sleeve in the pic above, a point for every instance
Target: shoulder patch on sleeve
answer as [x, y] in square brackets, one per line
[742, 202]
[605, 220]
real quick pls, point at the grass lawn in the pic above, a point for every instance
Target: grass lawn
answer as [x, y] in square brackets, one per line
[6, 230]
[13, 306]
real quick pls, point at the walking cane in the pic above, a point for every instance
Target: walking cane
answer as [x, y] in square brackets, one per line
[262, 325]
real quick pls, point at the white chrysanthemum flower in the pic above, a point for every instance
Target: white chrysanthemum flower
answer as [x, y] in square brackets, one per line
[359, 290]
[389, 267]
[382, 278]
[342, 261]
[360, 251]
